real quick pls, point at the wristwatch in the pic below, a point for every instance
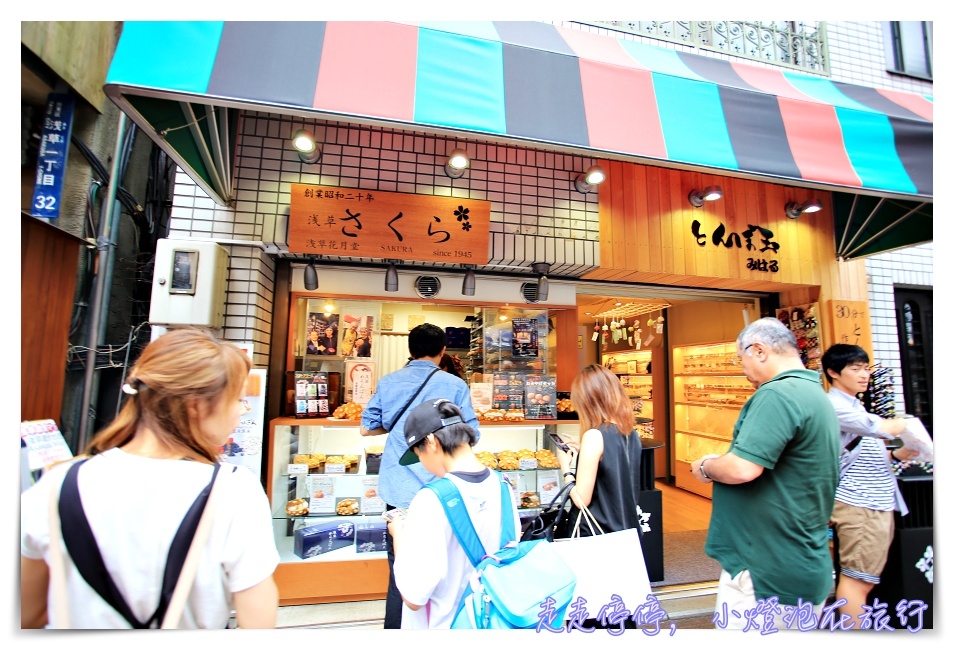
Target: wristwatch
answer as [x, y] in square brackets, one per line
[702, 469]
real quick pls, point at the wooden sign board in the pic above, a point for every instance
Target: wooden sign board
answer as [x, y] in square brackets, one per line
[388, 225]
[850, 323]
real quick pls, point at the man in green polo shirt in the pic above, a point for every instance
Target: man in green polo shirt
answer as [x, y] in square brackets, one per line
[774, 488]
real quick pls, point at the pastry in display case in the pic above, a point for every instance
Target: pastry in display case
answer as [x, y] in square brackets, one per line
[709, 391]
[323, 484]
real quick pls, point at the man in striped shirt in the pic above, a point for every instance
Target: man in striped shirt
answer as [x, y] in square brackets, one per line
[867, 493]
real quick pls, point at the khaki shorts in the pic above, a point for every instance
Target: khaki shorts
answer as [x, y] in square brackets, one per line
[864, 536]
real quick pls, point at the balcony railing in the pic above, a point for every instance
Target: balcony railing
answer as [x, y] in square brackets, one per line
[792, 44]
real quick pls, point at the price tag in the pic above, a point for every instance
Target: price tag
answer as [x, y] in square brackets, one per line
[297, 468]
[528, 463]
[335, 468]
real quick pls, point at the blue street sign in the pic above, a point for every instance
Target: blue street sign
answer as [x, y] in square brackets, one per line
[51, 163]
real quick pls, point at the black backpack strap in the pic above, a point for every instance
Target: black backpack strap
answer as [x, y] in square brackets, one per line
[181, 543]
[81, 545]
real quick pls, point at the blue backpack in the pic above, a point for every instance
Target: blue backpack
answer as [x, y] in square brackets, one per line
[523, 585]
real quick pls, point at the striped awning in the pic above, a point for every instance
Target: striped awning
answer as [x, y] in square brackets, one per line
[524, 81]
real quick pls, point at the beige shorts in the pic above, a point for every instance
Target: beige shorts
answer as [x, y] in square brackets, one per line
[864, 536]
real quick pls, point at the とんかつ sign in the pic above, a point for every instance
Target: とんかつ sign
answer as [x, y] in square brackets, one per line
[388, 225]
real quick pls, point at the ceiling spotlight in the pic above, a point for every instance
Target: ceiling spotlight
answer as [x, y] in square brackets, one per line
[457, 163]
[543, 284]
[588, 180]
[311, 275]
[391, 278]
[470, 281]
[304, 143]
[711, 193]
[794, 210]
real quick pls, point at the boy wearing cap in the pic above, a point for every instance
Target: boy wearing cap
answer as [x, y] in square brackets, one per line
[431, 569]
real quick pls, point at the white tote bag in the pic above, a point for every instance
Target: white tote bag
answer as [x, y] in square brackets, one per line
[606, 564]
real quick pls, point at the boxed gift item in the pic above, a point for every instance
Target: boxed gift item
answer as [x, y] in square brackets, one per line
[311, 395]
[322, 538]
[371, 537]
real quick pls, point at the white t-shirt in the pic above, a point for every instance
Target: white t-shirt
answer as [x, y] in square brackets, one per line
[134, 506]
[430, 566]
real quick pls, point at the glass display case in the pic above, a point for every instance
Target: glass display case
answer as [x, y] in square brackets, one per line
[709, 390]
[322, 485]
[507, 339]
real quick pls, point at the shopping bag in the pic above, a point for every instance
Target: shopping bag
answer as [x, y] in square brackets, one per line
[916, 438]
[605, 564]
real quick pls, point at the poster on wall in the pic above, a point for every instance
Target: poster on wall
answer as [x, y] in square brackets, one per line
[322, 334]
[541, 398]
[356, 332]
[524, 341]
[359, 381]
[244, 446]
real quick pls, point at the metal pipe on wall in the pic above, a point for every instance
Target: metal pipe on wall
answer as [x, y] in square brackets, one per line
[105, 246]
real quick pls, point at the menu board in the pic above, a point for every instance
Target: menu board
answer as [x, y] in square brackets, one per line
[541, 398]
[508, 390]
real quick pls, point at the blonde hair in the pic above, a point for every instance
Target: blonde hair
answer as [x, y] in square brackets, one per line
[598, 396]
[180, 368]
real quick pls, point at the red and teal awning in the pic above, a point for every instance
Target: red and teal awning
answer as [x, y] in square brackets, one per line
[524, 81]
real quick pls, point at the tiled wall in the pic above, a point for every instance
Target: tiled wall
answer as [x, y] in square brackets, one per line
[536, 213]
[911, 266]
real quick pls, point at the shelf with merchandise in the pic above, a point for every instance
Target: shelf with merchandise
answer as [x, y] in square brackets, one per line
[708, 393]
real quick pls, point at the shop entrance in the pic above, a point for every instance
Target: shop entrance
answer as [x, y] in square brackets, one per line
[675, 355]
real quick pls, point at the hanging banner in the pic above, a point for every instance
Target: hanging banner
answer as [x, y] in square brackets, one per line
[388, 225]
[51, 160]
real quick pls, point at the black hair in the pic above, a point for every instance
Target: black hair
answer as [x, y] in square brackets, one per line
[840, 355]
[455, 435]
[426, 340]
[447, 365]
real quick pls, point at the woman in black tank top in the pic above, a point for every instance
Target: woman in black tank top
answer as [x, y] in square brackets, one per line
[607, 469]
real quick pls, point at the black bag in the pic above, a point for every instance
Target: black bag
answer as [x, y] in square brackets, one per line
[553, 522]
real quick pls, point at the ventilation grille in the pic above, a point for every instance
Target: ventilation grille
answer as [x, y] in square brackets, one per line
[529, 292]
[427, 286]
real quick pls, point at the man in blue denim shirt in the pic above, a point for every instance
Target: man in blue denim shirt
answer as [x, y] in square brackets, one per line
[398, 484]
